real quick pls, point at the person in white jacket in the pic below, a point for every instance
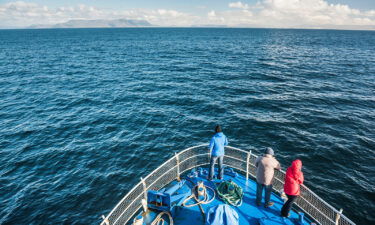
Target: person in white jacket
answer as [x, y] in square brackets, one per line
[266, 166]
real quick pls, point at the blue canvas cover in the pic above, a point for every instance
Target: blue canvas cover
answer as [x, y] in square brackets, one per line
[222, 214]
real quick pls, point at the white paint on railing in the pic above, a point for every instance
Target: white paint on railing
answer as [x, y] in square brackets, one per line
[247, 165]
[178, 163]
[338, 215]
[105, 220]
[144, 188]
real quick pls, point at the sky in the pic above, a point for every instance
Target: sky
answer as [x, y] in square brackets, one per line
[332, 14]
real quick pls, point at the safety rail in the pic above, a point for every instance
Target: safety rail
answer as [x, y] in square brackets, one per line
[243, 161]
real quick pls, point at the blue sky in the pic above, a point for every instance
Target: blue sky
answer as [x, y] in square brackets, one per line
[353, 14]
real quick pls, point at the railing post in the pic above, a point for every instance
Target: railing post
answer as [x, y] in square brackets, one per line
[105, 220]
[338, 215]
[144, 188]
[247, 164]
[178, 166]
[144, 200]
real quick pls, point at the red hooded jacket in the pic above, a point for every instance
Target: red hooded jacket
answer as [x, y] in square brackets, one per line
[293, 178]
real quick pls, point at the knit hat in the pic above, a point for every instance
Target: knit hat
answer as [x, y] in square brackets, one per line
[269, 151]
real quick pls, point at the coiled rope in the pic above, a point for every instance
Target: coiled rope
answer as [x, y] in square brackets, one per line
[199, 190]
[230, 193]
[160, 221]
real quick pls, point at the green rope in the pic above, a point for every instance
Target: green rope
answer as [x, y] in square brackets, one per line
[230, 193]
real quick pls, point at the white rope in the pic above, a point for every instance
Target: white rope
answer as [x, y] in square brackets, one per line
[160, 221]
[123, 207]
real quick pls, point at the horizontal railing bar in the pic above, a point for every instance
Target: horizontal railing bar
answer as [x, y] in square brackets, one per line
[316, 196]
[195, 156]
[315, 209]
[202, 164]
[148, 186]
[227, 156]
[320, 199]
[234, 148]
[194, 147]
[118, 204]
[135, 211]
[235, 167]
[304, 208]
[127, 208]
[169, 160]
[203, 154]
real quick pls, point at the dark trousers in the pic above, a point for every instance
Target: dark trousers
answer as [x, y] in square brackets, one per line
[212, 167]
[288, 205]
[267, 196]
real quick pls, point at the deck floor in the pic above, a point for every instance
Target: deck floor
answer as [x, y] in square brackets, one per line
[248, 212]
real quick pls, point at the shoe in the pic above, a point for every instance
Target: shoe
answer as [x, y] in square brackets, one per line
[285, 216]
[269, 204]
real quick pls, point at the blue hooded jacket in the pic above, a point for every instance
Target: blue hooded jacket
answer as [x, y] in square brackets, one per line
[217, 143]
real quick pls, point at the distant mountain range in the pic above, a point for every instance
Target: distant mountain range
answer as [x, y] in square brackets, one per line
[119, 23]
[96, 24]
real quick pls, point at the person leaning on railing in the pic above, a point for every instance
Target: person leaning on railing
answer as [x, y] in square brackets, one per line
[266, 166]
[292, 186]
[216, 147]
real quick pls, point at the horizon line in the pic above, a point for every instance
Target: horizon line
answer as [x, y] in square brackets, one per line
[198, 27]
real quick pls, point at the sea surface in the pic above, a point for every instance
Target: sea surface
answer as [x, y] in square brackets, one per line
[84, 113]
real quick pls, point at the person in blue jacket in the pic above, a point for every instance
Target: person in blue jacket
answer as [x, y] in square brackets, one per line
[216, 147]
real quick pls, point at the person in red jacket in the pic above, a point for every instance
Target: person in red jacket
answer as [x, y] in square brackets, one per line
[293, 181]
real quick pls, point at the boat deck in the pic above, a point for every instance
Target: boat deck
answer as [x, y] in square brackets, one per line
[248, 212]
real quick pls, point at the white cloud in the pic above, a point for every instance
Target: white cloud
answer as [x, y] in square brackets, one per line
[265, 13]
[230, 18]
[22, 14]
[238, 5]
[211, 14]
[161, 17]
[298, 14]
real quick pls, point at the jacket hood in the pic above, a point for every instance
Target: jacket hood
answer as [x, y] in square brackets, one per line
[296, 165]
[294, 178]
[219, 134]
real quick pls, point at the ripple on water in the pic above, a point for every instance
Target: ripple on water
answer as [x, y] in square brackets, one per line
[85, 113]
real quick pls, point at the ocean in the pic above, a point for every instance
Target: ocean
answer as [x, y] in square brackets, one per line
[84, 113]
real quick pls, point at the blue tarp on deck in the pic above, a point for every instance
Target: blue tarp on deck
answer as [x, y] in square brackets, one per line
[222, 215]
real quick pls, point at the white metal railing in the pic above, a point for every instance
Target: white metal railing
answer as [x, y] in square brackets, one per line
[243, 161]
